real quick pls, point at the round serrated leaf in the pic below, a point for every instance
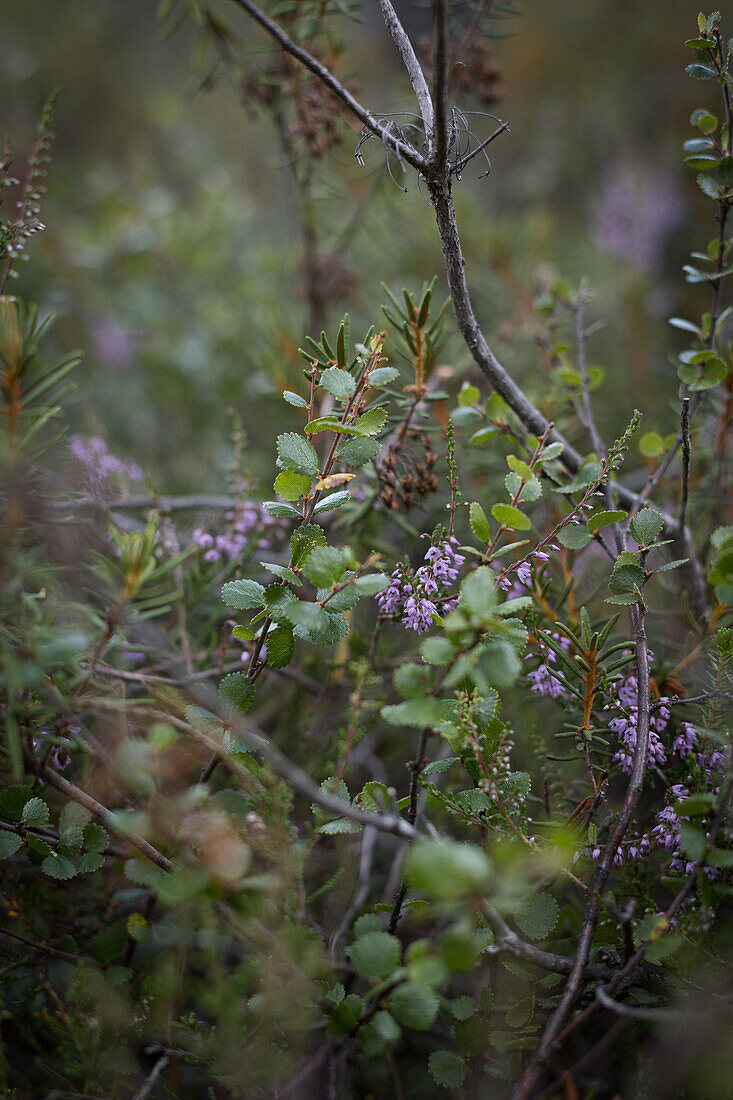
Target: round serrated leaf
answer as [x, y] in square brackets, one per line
[447, 1068]
[376, 955]
[291, 485]
[510, 517]
[10, 843]
[280, 646]
[414, 1005]
[358, 450]
[303, 540]
[537, 916]
[296, 453]
[371, 422]
[573, 538]
[324, 566]
[646, 526]
[237, 691]
[59, 867]
[243, 595]
[35, 812]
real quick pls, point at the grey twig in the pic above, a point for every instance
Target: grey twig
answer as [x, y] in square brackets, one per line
[509, 941]
[388, 135]
[149, 1084]
[439, 151]
[76, 794]
[686, 454]
[590, 423]
[287, 769]
[636, 1012]
[413, 66]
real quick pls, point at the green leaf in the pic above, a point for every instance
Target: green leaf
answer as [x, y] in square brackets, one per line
[338, 382]
[371, 584]
[35, 812]
[447, 1068]
[324, 566]
[605, 519]
[510, 517]
[552, 450]
[279, 510]
[375, 956]
[243, 594]
[58, 866]
[237, 691]
[325, 424]
[72, 822]
[334, 500]
[419, 711]
[479, 522]
[296, 453]
[295, 399]
[96, 838]
[446, 868]
[574, 537]
[521, 469]
[478, 593]
[521, 1012]
[371, 422]
[358, 451]
[10, 843]
[377, 1032]
[292, 486]
[303, 540]
[280, 646]
[328, 630]
[698, 803]
[285, 574]
[414, 1005]
[693, 840]
[646, 525]
[382, 376]
[13, 799]
[537, 916]
[468, 396]
[89, 862]
[345, 1015]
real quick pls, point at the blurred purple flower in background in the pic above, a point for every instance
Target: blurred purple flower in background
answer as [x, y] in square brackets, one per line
[99, 465]
[637, 209]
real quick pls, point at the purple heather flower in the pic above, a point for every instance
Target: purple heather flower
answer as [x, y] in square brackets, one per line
[420, 596]
[686, 739]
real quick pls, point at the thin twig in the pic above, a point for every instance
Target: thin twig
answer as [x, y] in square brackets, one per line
[386, 134]
[413, 66]
[76, 794]
[686, 453]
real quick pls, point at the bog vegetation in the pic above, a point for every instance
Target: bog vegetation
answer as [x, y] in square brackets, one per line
[411, 775]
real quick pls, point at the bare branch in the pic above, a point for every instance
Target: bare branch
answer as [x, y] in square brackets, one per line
[76, 794]
[507, 940]
[459, 165]
[388, 136]
[686, 454]
[440, 75]
[413, 66]
[255, 740]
